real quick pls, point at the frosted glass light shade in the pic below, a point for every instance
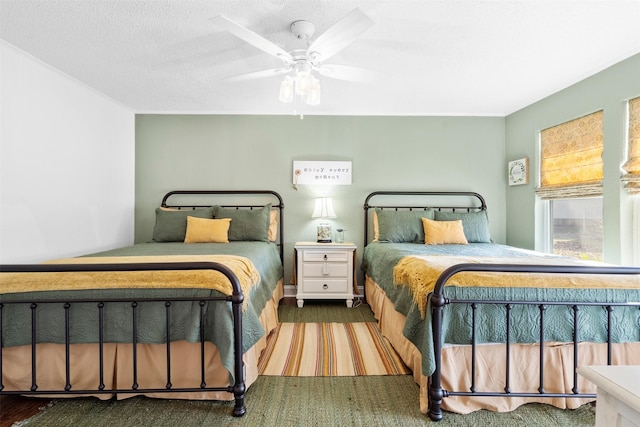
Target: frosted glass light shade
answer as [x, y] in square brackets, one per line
[303, 82]
[286, 90]
[313, 94]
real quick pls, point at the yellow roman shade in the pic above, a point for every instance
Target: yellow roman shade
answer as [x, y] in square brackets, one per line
[631, 178]
[571, 158]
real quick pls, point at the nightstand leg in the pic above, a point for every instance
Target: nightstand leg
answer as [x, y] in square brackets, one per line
[349, 303]
[300, 303]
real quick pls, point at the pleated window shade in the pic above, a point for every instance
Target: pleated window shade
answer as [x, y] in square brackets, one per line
[571, 159]
[631, 177]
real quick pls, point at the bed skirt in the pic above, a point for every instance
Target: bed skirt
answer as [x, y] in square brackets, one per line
[490, 370]
[151, 368]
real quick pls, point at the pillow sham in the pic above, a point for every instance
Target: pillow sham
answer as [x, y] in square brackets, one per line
[475, 224]
[273, 226]
[246, 224]
[171, 225]
[443, 232]
[205, 230]
[376, 227]
[401, 226]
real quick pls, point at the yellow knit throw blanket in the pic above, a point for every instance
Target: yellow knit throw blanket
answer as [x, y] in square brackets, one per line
[419, 273]
[242, 267]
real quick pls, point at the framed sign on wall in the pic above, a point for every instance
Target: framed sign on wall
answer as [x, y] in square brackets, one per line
[321, 172]
[518, 171]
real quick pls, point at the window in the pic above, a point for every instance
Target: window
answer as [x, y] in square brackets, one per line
[577, 228]
[571, 172]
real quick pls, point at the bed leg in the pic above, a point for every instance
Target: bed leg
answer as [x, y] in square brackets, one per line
[239, 409]
[435, 401]
[436, 393]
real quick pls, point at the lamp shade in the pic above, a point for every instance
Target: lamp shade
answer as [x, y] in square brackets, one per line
[323, 208]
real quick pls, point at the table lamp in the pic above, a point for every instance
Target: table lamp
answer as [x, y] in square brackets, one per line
[323, 210]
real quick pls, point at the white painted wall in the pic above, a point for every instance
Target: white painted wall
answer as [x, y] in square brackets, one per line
[67, 157]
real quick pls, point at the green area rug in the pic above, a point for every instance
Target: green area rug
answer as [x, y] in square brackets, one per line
[299, 401]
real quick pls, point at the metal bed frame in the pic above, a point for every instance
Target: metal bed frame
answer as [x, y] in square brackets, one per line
[439, 301]
[236, 299]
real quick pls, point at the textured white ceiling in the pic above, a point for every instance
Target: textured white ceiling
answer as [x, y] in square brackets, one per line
[450, 57]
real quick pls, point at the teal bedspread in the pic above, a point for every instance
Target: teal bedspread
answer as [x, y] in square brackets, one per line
[380, 258]
[185, 316]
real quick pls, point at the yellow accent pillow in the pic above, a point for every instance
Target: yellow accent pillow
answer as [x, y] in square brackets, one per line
[273, 225]
[205, 230]
[443, 232]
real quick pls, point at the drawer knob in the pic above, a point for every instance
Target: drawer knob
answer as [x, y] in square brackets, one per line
[325, 286]
[325, 257]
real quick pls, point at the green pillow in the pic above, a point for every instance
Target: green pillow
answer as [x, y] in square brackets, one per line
[475, 224]
[402, 226]
[246, 224]
[171, 225]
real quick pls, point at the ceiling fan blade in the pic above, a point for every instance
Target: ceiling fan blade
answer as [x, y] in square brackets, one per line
[223, 23]
[340, 34]
[258, 74]
[347, 72]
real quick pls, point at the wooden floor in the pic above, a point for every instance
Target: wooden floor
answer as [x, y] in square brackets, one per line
[18, 408]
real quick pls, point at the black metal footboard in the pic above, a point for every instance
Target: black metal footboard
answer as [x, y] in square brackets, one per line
[439, 301]
[236, 299]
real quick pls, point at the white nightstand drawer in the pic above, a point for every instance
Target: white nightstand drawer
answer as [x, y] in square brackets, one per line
[328, 286]
[322, 269]
[336, 256]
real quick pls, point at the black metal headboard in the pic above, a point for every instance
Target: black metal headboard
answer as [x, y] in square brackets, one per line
[239, 199]
[412, 200]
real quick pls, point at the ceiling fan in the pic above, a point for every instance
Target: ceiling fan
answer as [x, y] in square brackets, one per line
[300, 63]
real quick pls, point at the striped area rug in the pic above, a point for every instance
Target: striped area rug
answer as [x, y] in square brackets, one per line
[329, 350]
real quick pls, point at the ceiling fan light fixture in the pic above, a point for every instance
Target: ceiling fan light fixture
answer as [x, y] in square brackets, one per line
[299, 63]
[304, 84]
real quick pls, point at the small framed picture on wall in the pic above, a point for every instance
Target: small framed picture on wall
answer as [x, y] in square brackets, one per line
[518, 171]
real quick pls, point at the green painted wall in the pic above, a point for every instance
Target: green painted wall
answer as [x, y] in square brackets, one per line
[608, 91]
[257, 152]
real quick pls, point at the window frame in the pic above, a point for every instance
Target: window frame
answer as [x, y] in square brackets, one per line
[630, 176]
[635, 230]
[545, 194]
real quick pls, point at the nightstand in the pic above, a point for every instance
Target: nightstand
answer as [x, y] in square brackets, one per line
[324, 271]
